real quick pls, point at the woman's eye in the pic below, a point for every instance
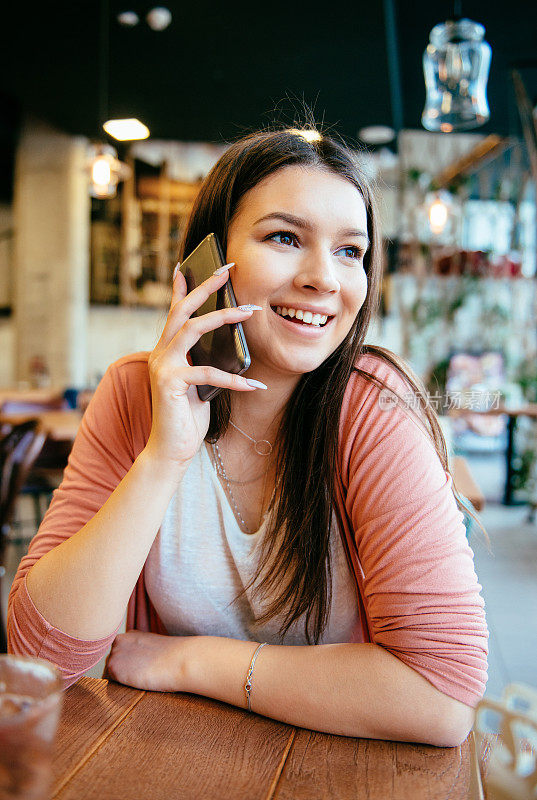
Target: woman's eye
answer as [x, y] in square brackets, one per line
[351, 252]
[283, 237]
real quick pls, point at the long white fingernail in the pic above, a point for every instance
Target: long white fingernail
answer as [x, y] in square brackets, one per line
[175, 270]
[250, 307]
[255, 384]
[221, 270]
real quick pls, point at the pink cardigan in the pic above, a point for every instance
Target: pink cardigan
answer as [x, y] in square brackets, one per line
[417, 589]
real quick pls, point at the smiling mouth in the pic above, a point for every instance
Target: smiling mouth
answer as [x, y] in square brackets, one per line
[294, 319]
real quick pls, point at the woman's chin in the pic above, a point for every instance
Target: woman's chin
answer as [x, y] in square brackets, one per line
[286, 366]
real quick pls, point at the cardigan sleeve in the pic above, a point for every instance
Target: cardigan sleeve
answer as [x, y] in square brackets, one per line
[101, 455]
[420, 590]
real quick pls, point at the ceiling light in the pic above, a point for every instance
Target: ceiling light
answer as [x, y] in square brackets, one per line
[159, 18]
[128, 19]
[376, 134]
[309, 134]
[456, 66]
[126, 130]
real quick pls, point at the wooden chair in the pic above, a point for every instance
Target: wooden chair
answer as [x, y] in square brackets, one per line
[47, 471]
[506, 740]
[19, 449]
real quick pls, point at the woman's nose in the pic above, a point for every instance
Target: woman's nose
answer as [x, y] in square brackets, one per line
[317, 271]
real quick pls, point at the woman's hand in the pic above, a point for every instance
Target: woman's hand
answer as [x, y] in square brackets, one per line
[148, 661]
[180, 418]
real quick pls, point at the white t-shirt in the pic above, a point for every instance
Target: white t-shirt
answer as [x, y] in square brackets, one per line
[201, 559]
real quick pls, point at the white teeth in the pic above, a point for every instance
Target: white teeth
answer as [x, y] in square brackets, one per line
[307, 317]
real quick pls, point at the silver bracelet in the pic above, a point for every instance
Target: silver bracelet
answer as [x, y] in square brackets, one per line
[248, 684]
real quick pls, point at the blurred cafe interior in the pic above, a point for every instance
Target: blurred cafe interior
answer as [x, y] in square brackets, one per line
[439, 100]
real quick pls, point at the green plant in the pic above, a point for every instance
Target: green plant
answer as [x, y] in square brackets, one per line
[425, 311]
[522, 469]
[527, 378]
[436, 382]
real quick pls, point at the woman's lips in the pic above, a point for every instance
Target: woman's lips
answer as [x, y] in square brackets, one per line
[303, 329]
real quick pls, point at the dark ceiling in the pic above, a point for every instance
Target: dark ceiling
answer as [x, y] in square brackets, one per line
[221, 68]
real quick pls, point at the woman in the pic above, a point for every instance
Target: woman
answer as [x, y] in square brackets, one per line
[309, 511]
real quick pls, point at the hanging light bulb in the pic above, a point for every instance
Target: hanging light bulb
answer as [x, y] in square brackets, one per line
[438, 218]
[438, 215]
[456, 66]
[101, 174]
[105, 171]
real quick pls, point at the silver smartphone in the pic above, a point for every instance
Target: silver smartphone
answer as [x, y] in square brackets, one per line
[225, 347]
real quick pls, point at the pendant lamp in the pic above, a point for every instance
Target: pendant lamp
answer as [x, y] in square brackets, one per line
[105, 171]
[438, 218]
[104, 168]
[456, 66]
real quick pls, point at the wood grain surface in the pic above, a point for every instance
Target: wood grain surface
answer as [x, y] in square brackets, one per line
[180, 745]
[116, 742]
[91, 710]
[325, 766]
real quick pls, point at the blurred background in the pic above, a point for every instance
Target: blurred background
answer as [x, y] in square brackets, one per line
[439, 100]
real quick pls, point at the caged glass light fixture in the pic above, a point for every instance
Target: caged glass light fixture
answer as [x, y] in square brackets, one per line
[439, 207]
[105, 171]
[438, 218]
[456, 65]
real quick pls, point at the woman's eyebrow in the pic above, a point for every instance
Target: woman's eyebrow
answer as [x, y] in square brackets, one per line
[307, 226]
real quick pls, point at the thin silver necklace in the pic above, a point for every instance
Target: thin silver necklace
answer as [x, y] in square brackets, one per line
[218, 459]
[234, 480]
[266, 447]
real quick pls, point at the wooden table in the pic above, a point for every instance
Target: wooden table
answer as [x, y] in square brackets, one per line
[43, 396]
[119, 743]
[61, 425]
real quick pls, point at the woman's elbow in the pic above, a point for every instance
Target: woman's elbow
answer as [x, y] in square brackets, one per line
[453, 727]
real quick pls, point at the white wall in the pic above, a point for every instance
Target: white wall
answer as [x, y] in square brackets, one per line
[114, 332]
[51, 214]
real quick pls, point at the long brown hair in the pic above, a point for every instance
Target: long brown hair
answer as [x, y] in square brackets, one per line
[295, 552]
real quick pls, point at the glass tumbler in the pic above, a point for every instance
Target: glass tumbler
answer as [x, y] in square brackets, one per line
[30, 705]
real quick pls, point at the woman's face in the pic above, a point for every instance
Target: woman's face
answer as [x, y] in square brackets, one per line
[298, 240]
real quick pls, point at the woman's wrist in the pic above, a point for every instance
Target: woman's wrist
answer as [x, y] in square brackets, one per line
[190, 663]
[216, 666]
[162, 470]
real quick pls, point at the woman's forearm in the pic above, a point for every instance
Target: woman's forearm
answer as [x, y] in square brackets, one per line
[83, 586]
[346, 689]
